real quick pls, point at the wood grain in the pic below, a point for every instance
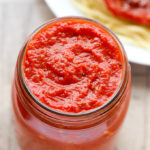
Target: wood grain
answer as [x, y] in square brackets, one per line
[18, 18]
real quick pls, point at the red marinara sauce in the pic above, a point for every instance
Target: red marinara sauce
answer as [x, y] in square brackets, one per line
[73, 66]
[71, 88]
[134, 10]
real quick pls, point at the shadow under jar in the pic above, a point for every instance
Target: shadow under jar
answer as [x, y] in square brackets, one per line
[92, 125]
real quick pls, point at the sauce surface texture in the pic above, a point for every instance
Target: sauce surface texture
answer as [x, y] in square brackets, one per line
[73, 66]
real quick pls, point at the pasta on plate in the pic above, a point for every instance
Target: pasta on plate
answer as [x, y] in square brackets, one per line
[129, 32]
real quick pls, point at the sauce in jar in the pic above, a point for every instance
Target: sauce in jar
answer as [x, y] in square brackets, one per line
[73, 66]
[71, 87]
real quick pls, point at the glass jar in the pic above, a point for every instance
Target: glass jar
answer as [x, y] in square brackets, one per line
[41, 128]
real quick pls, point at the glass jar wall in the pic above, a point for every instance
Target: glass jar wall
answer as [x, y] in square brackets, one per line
[39, 127]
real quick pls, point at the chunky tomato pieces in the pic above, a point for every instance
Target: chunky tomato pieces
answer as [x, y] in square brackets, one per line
[134, 10]
[73, 66]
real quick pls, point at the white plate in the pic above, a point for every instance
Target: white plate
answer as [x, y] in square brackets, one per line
[63, 8]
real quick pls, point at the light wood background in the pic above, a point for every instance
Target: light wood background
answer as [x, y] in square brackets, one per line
[18, 18]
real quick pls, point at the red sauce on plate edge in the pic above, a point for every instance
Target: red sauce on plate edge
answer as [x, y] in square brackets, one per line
[134, 10]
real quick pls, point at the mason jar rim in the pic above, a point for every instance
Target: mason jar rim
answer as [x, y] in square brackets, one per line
[114, 97]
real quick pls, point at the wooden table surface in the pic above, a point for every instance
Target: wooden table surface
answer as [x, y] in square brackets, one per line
[18, 18]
